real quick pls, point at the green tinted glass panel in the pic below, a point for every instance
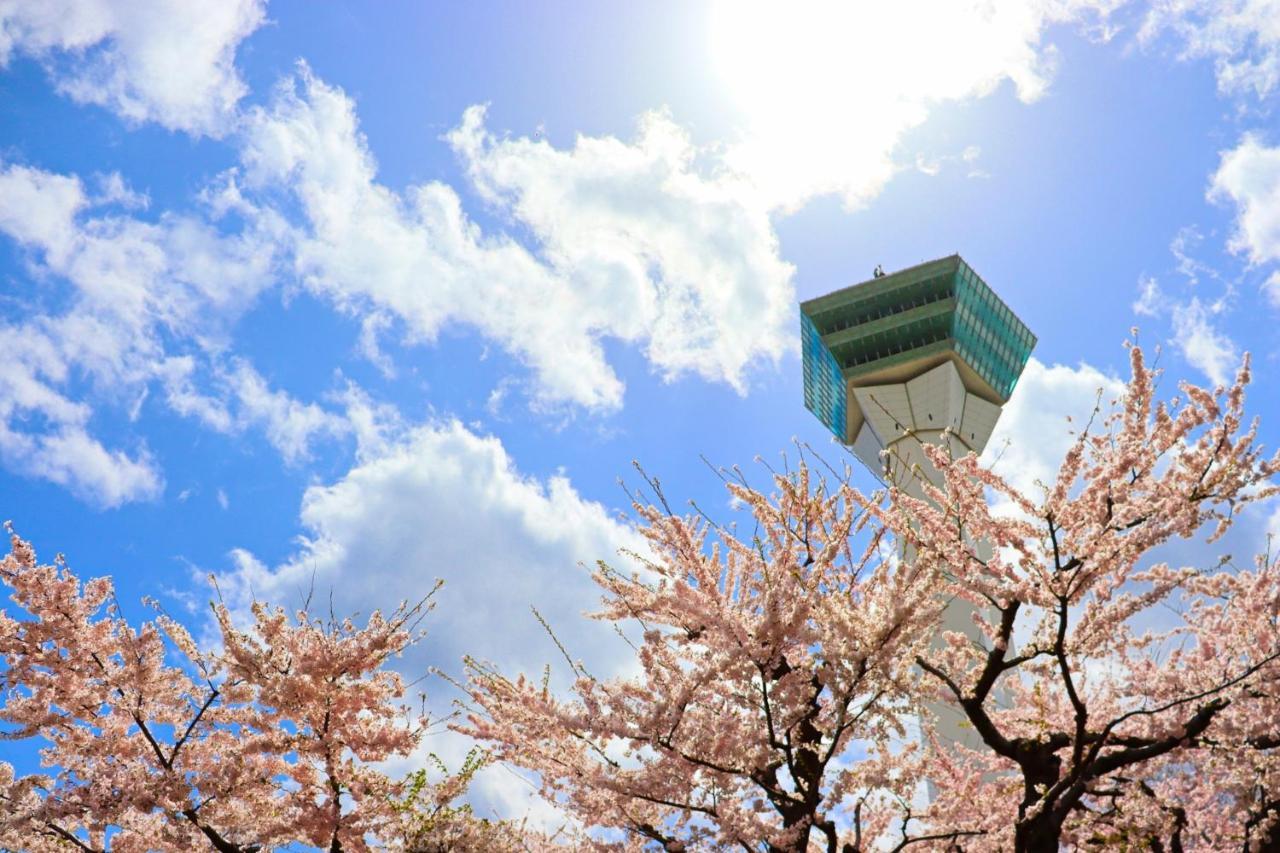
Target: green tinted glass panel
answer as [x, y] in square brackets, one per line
[988, 336]
[824, 385]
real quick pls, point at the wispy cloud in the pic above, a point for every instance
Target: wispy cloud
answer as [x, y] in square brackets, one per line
[1196, 328]
[1197, 322]
[1202, 342]
[241, 398]
[1242, 38]
[1271, 289]
[132, 288]
[1151, 299]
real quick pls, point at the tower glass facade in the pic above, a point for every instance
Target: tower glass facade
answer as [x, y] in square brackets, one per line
[824, 387]
[988, 336]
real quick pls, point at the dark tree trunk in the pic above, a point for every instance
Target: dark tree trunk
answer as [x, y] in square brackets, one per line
[1041, 769]
[1041, 835]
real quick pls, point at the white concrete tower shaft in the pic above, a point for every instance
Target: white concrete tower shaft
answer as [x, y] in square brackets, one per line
[898, 419]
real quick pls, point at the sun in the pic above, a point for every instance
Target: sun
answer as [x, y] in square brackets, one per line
[825, 90]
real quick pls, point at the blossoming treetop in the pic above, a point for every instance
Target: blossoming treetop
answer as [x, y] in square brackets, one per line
[777, 672]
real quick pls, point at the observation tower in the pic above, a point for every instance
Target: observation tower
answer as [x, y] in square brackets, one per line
[891, 363]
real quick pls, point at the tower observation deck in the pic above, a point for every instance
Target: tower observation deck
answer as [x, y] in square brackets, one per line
[909, 354]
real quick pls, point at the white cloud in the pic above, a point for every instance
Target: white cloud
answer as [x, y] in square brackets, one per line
[131, 277]
[442, 502]
[439, 501]
[167, 61]
[1196, 322]
[290, 426]
[827, 90]
[653, 241]
[1204, 345]
[1271, 289]
[112, 189]
[186, 399]
[243, 399]
[69, 456]
[72, 457]
[142, 303]
[1184, 243]
[130, 285]
[650, 245]
[1033, 433]
[1150, 301]
[1196, 335]
[1249, 177]
[634, 243]
[1242, 37]
[44, 431]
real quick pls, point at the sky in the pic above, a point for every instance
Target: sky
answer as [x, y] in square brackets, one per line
[350, 297]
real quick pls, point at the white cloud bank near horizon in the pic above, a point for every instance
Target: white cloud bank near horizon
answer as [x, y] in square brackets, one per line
[438, 500]
[1033, 433]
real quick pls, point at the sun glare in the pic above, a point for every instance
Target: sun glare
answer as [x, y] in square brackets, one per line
[845, 80]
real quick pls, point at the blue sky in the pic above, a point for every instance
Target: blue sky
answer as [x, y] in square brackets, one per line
[374, 294]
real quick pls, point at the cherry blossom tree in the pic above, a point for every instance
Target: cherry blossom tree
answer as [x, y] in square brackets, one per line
[1220, 790]
[1237, 764]
[1089, 715]
[775, 673]
[153, 743]
[1118, 701]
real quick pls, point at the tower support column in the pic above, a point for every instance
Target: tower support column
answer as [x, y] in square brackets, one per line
[898, 421]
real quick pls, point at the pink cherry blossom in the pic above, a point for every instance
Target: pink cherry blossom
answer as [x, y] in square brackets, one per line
[785, 690]
[779, 672]
[1097, 729]
[776, 677]
[153, 743]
